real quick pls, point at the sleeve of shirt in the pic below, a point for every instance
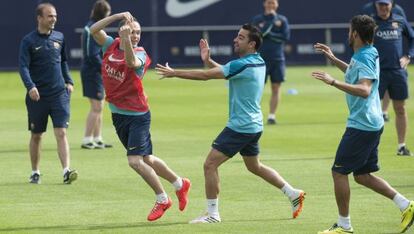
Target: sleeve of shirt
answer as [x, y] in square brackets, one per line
[108, 42]
[24, 62]
[409, 33]
[397, 9]
[231, 69]
[91, 48]
[64, 65]
[366, 72]
[141, 56]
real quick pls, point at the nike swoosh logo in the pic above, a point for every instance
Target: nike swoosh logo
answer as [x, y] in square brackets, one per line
[37, 48]
[337, 166]
[177, 9]
[112, 59]
[132, 148]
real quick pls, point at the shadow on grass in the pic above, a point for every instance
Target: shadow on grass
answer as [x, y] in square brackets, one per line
[90, 227]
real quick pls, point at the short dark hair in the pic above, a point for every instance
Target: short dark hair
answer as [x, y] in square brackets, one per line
[365, 26]
[100, 10]
[41, 6]
[254, 34]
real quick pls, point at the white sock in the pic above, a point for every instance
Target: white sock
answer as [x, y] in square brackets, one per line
[271, 116]
[97, 139]
[36, 172]
[401, 201]
[400, 145]
[289, 191]
[162, 197]
[212, 207]
[87, 139]
[344, 222]
[66, 169]
[178, 184]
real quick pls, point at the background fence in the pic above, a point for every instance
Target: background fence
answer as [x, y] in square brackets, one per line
[172, 28]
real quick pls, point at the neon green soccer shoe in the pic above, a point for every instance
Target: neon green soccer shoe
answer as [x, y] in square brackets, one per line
[407, 217]
[335, 229]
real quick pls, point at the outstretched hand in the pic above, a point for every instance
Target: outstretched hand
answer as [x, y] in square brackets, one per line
[326, 50]
[323, 76]
[165, 71]
[204, 50]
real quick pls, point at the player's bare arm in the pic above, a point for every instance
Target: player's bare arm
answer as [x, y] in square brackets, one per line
[130, 59]
[326, 50]
[168, 72]
[205, 54]
[361, 89]
[97, 28]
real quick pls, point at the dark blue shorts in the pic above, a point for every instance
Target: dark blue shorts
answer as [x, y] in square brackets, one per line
[230, 142]
[92, 85]
[395, 81]
[38, 112]
[276, 70]
[134, 133]
[357, 152]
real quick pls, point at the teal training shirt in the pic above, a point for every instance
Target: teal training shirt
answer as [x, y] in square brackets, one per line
[246, 77]
[365, 113]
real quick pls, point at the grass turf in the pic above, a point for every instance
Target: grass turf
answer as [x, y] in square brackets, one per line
[186, 116]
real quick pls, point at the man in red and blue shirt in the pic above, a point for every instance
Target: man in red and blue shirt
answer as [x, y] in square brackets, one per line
[123, 68]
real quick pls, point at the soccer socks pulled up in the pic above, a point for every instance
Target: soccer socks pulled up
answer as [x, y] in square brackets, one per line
[344, 222]
[178, 184]
[401, 201]
[212, 207]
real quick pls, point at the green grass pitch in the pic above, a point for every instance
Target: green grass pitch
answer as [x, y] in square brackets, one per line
[109, 197]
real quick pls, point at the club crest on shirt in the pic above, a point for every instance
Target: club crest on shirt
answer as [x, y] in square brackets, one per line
[56, 45]
[395, 25]
[261, 25]
[278, 23]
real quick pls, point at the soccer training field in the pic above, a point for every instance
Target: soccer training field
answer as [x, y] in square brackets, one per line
[186, 116]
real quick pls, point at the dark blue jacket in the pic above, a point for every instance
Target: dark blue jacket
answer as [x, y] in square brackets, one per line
[92, 54]
[369, 9]
[389, 40]
[43, 63]
[275, 31]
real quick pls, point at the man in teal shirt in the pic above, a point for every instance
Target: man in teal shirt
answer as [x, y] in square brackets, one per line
[243, 130]
[357, 152]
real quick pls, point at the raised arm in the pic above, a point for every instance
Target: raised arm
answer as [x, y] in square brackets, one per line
[97, 31]
[319, 47]
[205, 54]
[167, 72]
[131, 60]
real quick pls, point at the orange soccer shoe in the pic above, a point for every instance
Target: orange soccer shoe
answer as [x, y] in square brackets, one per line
[182, 194]
[159, 210]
